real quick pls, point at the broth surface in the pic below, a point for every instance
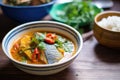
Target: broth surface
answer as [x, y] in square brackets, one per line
[42, 48]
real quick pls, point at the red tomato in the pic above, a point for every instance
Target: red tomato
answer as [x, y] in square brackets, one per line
[51, 35]
[48, 34]
[49, 41]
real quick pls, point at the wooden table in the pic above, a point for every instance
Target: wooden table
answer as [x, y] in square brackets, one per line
[95, 61]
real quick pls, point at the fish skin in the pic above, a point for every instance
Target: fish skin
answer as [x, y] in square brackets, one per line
[52, 54]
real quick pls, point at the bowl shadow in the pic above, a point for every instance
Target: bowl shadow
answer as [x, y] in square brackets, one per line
[109, 55]
[9, 71]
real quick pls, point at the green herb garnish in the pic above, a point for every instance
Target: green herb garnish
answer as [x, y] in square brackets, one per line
[78, 13]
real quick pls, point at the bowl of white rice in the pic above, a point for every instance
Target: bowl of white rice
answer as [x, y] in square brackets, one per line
[107, 28]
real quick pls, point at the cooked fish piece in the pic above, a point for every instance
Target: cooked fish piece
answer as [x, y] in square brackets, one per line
[52, 54]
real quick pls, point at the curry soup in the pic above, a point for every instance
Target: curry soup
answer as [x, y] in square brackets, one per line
[42, 48]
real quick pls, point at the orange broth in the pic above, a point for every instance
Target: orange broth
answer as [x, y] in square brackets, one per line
[31, 47]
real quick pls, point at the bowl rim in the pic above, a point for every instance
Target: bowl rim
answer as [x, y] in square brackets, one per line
[102, 13]
[41, 5]
[43, 65]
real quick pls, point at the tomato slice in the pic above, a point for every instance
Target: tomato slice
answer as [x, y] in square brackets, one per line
[49, 41]
[16, 46]
[51, 35]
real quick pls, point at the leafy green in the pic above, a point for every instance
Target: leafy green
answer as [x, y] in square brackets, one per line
[41, 45]
[39, 36]
[38, 40]
[63, 43]
[24, 59]
[78, 13]
[67, 46]
[58, 43]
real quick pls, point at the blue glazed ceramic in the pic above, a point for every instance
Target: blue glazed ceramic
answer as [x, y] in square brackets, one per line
[51, 26]
[26, 13]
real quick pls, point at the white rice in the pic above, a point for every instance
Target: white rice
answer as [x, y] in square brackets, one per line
[110, 23]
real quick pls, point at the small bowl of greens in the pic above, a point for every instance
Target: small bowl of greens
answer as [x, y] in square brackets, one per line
[75, 13]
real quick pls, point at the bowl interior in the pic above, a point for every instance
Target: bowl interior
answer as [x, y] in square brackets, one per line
[56, 27]
[106, 14]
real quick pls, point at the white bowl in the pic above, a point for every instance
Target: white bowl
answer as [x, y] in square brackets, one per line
[56, 27]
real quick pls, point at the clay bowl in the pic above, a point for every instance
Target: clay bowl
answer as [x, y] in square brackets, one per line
[104, 36]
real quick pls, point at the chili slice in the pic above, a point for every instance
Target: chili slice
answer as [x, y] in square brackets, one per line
[36, 55]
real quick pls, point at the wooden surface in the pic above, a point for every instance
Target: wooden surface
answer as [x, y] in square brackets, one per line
[95, 61]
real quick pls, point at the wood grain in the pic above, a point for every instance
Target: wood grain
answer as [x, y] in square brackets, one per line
[95, 62]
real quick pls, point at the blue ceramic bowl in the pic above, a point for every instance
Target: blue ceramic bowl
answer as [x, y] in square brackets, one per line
[42, 69]
[26, 13]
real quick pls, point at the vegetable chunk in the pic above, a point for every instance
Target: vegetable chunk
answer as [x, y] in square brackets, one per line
[24, 45]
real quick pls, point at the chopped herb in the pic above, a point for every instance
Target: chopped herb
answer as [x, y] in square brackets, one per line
[78, 13]
[24, 59]
[58, 43]
[41, 45]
